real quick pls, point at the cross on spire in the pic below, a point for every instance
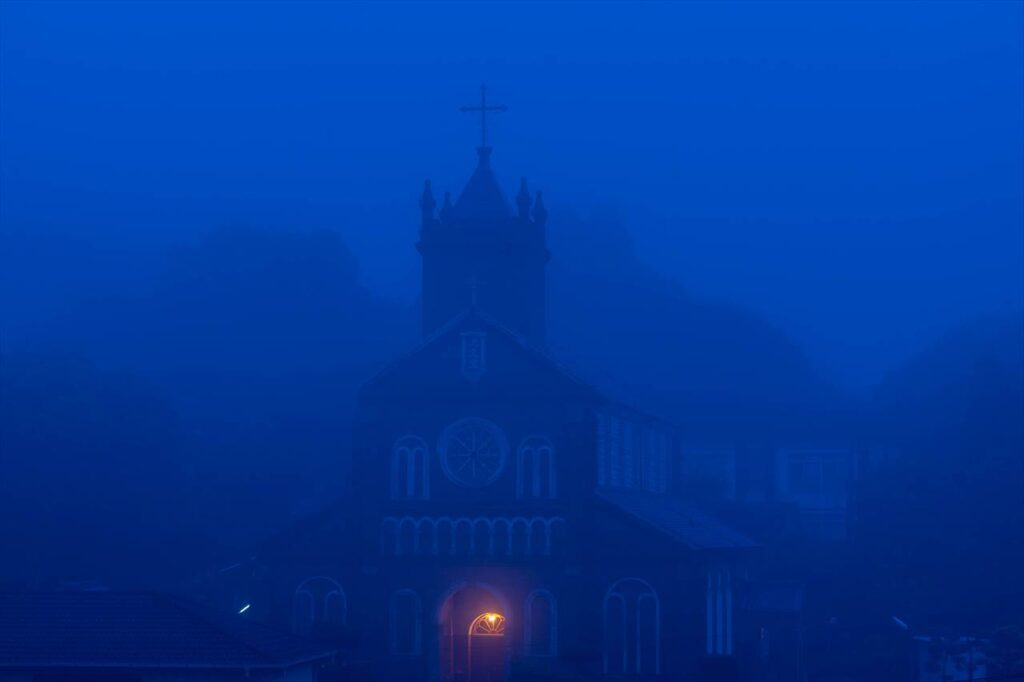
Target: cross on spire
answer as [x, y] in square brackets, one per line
[483, 109]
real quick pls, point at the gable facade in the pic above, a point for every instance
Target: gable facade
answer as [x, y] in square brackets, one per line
[504, 514]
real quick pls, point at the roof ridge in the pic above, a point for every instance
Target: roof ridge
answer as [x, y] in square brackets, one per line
[196, 611]
[522, 341]
[696, 517]
[142, 628]
[543, 355]
[424, 342]
[602, 495]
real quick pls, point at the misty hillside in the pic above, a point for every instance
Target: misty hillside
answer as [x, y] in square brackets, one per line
[942, 526]
[713, 367]
[233, 361]
[252, 343]
[944, 374]
[777, 247]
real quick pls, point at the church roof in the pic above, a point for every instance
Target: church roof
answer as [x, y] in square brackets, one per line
[474, 314]
[482, 200]
[138, 630]
[544, 359]
[677, 519]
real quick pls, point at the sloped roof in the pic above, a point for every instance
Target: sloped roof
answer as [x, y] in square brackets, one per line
[676, 519]
[482, 199]
[137, 630]
[540, 355]
[473, 313]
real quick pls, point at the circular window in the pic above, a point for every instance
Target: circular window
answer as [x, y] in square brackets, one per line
[472, 452]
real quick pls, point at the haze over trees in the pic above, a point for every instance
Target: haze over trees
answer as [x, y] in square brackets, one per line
[210, 395]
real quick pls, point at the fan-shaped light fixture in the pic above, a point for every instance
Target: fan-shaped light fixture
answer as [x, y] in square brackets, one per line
[489, 624]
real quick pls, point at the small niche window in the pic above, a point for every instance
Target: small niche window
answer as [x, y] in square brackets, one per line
[474, 355]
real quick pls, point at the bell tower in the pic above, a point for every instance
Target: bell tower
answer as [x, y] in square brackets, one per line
[478, 252]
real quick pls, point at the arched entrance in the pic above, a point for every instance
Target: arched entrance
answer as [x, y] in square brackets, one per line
[472, 623]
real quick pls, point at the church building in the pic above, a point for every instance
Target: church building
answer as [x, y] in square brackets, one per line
[506, 517]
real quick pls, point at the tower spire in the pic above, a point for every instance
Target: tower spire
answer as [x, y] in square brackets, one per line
[483, 150]
[427, 204]
[523, 201]
[540, 211]
[483, 251]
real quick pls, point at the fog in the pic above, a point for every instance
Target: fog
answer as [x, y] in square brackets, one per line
[768, 223]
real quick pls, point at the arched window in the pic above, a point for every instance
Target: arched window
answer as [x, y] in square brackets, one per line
[426, 536]
[389, 536]
[502, 536]
[303, 612]
[407, 537]
[463, 537]
[483, 538]
[445, 537]
[319, 601]
[520, 536]
[632, 628]
[541, 624]
[719, 610]
[334, 607]
[410, 470]
[556, 539]
[536, 468]
[537, 542]
[406, 623]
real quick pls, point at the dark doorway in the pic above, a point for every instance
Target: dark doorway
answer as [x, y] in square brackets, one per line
[471, 634]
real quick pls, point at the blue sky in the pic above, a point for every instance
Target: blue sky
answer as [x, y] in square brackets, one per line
[852, 171]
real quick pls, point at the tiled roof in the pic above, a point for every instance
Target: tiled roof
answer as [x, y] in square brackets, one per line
[677, 519]
[137, 630]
